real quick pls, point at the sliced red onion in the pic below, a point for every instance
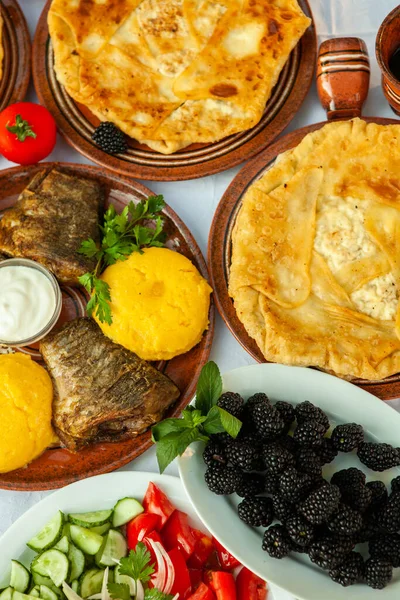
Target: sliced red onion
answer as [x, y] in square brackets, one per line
[169, 568]
[139, 590]
[158, 579]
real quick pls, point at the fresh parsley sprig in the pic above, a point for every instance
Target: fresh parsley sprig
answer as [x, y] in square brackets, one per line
[198, 422]
[119, 591]
[154, 594]
[121, 235]
[137, 564]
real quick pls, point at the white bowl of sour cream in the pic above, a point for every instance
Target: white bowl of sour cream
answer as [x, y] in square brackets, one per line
[30, 302]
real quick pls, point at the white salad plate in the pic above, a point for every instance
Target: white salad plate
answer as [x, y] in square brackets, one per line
[343, 403]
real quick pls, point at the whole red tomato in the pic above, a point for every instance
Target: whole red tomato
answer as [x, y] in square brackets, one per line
[27, 133]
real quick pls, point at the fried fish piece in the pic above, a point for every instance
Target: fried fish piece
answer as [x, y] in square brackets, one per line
[102, 392]
[52, 217]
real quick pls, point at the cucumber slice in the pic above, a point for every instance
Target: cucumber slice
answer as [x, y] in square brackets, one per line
[125, 579]
[53, 564]
[125, 510]
[35, 591]
[75, 585]
[87, 541]
[90, 519]
[20, 577]
[114, 549]
[39, 580]
[65, 531]
[91, 582]
[47, 594]
[101, 529]
[49, 535]
[77, 561]
[7, 593]
[62, 545]
[20, 596]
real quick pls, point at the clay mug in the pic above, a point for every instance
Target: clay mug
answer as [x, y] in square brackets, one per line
[387, 42]
[343, 74]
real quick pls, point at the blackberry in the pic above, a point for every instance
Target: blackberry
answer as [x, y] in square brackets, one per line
[267, 421]
[389, 516]
[232, 403]
[282, 508]
[251, 485]
[222, 480]
[276, 458]
[287, 442]
[378, 573]
[286, 411]
[109, 138]
[379, 494]
[214, 452]
[222, 438]
[345, 521]
[320, 504]
[276, 541]
[350, 571]
[293, 486]
[395, 485]
[347, 437]
[345, 477]
[378, 457]
[357, 495]
[326, 452]
[256, 511]
[270, 483]
[371, 528]
[329, 552]
[309, 433]
[300, 532]
[387, 547]
[305, 411]
[242, 454]
[260, 397]
[307, 461]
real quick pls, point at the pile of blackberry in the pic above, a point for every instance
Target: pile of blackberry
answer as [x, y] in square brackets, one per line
[276, 467]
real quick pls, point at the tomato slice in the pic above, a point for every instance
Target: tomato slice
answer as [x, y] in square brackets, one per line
[155, 536]
[182, 584]
[223, 584]
[202, 550]
[203, 592]
[157, 503]
[177, 533]
[250, 586]
[140, 527]
[226, 560]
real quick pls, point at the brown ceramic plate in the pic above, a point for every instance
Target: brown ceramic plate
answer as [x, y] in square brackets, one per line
[58, 467]
[17, 54]
[77, 124]
[219, 249]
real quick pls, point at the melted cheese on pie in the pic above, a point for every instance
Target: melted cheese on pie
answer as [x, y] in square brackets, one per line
[378, 298]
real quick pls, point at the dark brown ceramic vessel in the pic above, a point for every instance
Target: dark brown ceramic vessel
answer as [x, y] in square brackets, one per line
[76, 123]
[57, 466]
[219, 244]
[387, 42]
[17, 54]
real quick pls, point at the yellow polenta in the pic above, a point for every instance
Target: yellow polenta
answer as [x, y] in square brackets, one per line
[26, 395]
[159, 304]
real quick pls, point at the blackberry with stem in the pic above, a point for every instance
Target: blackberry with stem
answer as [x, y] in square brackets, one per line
[346, 438]
[256, 511]
[300, 531]
[214, 452]
[276, 542]
[242, 454]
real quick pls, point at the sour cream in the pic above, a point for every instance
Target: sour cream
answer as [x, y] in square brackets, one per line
[27, 302]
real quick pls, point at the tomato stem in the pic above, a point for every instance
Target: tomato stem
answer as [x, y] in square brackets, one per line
[22, 129]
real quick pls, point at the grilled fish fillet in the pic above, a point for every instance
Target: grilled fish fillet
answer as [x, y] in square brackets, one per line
[102, 392]
[50, 220]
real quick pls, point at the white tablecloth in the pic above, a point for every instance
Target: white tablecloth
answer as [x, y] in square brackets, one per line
[195, 201]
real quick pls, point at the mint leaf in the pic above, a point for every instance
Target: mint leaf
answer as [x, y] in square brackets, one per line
[119, 591]
[168, 426]
[231, 424]
[137, 564]
[212, 424]
[175, 444]
[209, 387]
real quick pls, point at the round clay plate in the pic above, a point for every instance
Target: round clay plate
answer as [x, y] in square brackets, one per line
[219, 249]
[17, 54]
[77, 124]
[57, 466]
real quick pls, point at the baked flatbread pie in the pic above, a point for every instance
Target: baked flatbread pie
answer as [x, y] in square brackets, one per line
[315, 273]
[170, 73]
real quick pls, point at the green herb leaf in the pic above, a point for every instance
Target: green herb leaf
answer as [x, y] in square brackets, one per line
[137, 564]
[87, 281]
[22, 129]
[168, 426]
[209, 387]
[175, 444]
[90, 249]
[155, 594]
[155, 204]
[213, 423]
[119, 591]
[231, 424]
